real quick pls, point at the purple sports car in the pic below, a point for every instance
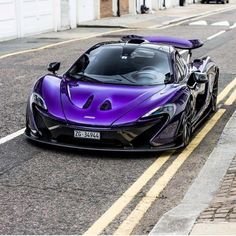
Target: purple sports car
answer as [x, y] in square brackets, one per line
[136, 94]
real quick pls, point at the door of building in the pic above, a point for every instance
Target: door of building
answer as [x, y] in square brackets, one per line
[86, 10]
[106, 8]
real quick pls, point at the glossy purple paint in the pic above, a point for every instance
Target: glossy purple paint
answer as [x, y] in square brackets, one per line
[176, 42]
[173, 41]
[122, 98]
[128, 103]
[50, 91]
[167, 95]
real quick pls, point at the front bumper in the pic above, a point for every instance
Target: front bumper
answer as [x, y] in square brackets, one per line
[103, 148]
[139, 137]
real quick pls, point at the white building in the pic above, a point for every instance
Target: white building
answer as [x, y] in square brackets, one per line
[19, 18]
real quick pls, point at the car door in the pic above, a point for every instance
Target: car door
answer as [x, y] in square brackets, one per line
[200, 91]
[183, 78]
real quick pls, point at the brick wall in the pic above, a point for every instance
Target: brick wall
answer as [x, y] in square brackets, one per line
[106, 8]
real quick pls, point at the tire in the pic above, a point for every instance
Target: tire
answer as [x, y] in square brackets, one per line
[186, 125]
[214, 96]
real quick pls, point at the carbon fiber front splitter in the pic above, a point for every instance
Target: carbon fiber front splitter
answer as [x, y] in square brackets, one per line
[105, 149]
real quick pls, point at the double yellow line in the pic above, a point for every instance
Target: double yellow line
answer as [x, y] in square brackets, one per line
[136, 215]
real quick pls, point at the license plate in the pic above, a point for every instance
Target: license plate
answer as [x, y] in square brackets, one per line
[86, 134]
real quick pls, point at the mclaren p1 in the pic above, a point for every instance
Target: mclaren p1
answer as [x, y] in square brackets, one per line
[134, 94]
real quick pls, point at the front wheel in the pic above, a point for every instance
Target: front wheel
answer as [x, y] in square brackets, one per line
[214, 96]
[186, 125]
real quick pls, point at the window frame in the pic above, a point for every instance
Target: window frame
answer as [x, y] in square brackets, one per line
[181, 66]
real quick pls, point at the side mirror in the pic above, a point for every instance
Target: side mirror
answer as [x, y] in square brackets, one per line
[53, 67]
[200, 77]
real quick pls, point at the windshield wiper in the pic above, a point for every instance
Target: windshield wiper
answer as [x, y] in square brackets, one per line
[124, 77]
[84, 77]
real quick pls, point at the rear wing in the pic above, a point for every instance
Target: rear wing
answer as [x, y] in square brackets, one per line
[186, 44]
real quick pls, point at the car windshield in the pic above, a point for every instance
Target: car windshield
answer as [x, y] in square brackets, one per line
[127, 65]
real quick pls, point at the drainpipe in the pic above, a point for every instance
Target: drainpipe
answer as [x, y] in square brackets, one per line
[118, 8]
[164, 4]
[136, 5]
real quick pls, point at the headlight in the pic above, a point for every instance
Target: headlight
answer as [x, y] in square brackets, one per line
[38, 100]
[166, 109]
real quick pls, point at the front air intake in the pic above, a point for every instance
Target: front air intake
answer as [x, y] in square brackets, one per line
[88, 102]
[106, 106]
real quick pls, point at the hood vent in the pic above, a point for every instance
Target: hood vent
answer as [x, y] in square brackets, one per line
[88, 102]
[106, 106]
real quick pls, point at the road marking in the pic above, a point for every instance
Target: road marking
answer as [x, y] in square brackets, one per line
[127, 196]
[220, 97]
[58, 44]
[231, 99]
[233, 26]
[12, 136]
[122, 202]
[226, 90]
[200, 22]
[136, 215]
[221, 23]
[216, 35]
[184, 20]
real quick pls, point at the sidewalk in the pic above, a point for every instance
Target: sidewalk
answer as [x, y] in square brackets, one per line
[220, 216]
[158, 18]
[209, 206]
[113, 24]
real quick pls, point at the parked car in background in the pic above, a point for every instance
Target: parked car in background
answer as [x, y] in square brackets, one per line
[216, 1]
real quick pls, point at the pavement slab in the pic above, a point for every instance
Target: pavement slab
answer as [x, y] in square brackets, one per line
[214, 229]
[223, 206]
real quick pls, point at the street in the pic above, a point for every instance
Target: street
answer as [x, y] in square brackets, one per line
[49, 190]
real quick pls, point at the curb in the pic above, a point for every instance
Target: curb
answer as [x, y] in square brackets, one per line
[104, 26]
[181, 219]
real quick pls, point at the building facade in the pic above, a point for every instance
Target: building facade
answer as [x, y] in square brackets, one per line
[20, 18]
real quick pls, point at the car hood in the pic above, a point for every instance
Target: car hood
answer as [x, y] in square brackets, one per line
[101, 104]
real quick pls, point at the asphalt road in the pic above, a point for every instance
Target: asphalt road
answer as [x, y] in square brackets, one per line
[45, 190]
